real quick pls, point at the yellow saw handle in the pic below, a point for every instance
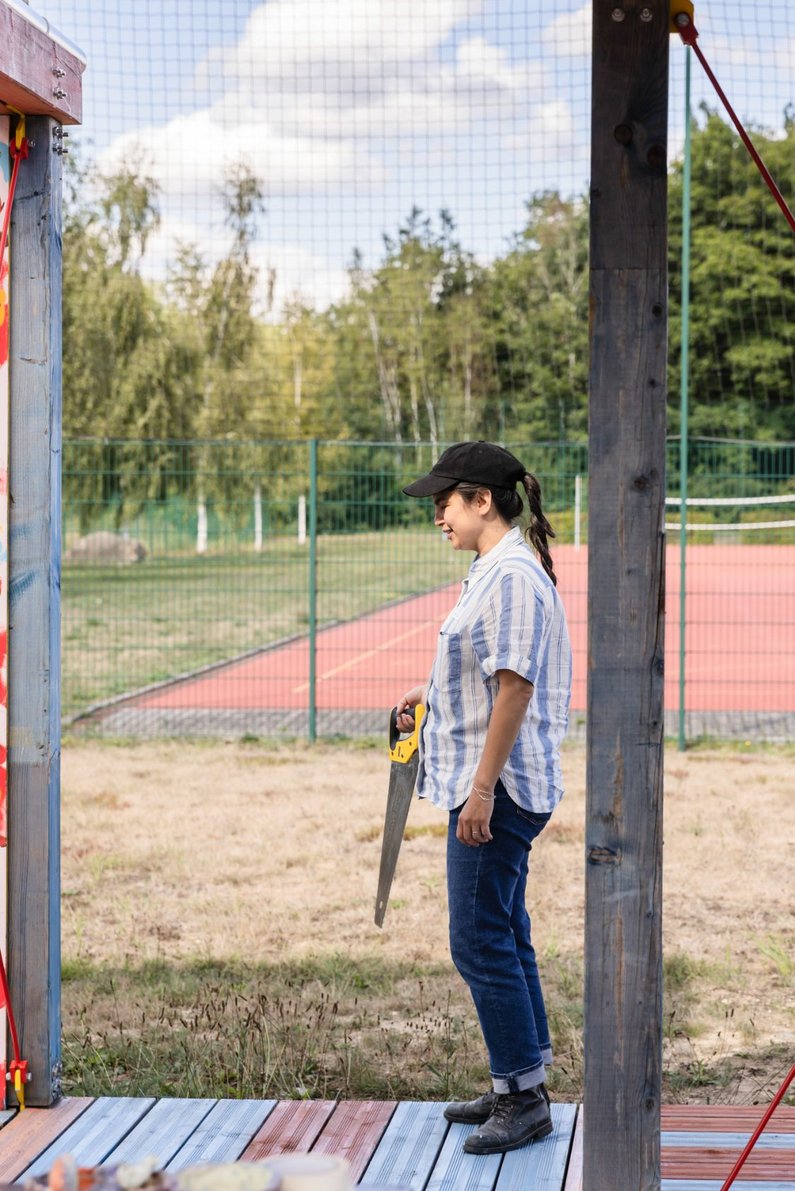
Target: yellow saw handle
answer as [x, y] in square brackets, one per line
[403, 749]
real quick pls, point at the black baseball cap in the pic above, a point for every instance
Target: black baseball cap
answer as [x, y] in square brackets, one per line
[470, 463]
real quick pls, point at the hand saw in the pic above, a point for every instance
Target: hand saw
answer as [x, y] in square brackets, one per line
[405, 758]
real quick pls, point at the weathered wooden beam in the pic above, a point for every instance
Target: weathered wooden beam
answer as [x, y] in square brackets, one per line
[39, 74]
[628, 296]
[34, 611]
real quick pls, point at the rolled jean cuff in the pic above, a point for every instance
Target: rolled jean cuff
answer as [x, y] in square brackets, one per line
[546, 1055]
[518, 1081]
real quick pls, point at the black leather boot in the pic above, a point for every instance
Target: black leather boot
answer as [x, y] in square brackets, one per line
[515, 1120]
[472, 1112]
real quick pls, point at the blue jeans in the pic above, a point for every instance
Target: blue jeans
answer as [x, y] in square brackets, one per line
[490, 942]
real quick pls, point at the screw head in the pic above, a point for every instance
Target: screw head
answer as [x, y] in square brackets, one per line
[646, 14]
[618, 14]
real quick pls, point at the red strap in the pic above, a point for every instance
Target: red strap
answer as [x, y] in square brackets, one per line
[689, 34]
[779, 1096]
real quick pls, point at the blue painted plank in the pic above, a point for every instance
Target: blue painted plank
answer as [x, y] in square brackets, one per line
[727, 1141]
[717, 1184]
[96, 1133]
[224, 1133]
[456, 1171]
[163, 1131]
[542, 1164]
[411, 1143]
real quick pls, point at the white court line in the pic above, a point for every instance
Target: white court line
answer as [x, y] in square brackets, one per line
[354, 661]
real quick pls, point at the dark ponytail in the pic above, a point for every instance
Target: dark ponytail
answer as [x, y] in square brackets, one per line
[539, 528]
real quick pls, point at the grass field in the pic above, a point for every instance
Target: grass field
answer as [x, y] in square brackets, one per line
[218, 935]
[125, 627]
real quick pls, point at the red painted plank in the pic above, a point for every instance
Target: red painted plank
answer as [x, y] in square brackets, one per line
[32, 1131]
[725, 1118]
[354, 1131]
[292, 1127]
[709, 1163]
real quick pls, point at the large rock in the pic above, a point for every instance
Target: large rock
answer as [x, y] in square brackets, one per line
[102, 546]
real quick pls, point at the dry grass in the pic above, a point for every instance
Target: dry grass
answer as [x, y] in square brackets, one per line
[218, 933]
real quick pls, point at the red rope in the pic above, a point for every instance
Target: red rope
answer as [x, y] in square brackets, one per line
[779, 1096]
[689, 35]
[12, 1025]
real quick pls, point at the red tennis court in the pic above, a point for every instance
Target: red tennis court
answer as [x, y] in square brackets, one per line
[740, 654]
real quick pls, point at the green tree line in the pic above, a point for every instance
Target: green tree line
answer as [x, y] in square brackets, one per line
[429, 344]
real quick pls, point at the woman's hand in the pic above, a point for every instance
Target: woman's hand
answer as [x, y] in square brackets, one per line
[473, 823]
[405, 706]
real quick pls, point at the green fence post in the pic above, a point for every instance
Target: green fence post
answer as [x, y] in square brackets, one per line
[312, 589]
[683, 404]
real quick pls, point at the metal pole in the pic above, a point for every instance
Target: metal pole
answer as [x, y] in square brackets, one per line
[683, 407]
[312, 589]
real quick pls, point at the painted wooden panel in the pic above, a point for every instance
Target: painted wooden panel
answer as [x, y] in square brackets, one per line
[717, 1185]
[717, 1164]
[411, 1144]
[27, 74]
[457, 1171]
[292, 1127]
[541, 1165]
[31, 1132]
[34, 655]
[574, 1171]
[96, 1132]
[224, 1133]
[701, 1139]
[726, 1117]
[354, 1131]
[163, 1131]
[5, 178]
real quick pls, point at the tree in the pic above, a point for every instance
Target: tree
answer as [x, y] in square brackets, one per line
[742, 295]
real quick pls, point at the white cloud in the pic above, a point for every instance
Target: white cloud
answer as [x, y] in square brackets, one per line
[569, 35]
[191, 153]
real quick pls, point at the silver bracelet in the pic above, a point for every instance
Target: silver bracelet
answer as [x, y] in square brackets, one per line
[483, 793]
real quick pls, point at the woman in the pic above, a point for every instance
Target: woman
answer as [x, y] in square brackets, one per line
[496, 712]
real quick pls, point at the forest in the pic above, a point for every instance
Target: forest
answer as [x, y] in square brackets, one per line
[430, 344]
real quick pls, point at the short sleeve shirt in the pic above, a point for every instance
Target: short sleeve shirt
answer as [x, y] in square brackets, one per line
[509, 616]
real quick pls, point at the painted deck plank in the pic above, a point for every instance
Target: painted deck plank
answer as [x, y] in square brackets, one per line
[354, 1130]
[292, 1128]
[541, 1165]
[716, 1164]
[224, 1133]
[717, 1184]
[96, 1132]
[32, 1131]
[456, 1171]
[408, 1150]
[163, 1131]
[725, 1118]
[726, 1141]
[574, 1170]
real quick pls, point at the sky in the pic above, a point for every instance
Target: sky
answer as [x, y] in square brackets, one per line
[352, 112]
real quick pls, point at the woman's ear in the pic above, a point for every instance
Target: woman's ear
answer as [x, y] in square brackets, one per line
[484, 501]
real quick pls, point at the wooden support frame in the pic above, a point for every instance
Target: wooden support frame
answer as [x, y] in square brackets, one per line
[34, 611]
[628, 297]
[40, 72]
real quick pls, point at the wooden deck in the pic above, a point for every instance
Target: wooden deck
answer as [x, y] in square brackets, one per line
[405, 1145]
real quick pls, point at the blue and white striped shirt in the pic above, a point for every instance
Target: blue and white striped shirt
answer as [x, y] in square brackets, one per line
[509, 616]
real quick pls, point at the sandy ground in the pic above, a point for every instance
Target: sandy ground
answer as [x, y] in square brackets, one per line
[238, 851]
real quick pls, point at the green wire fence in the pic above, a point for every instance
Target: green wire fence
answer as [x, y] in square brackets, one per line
[288, 587]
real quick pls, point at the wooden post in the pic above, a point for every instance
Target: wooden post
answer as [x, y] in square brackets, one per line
[34, 612]
[628, 295]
